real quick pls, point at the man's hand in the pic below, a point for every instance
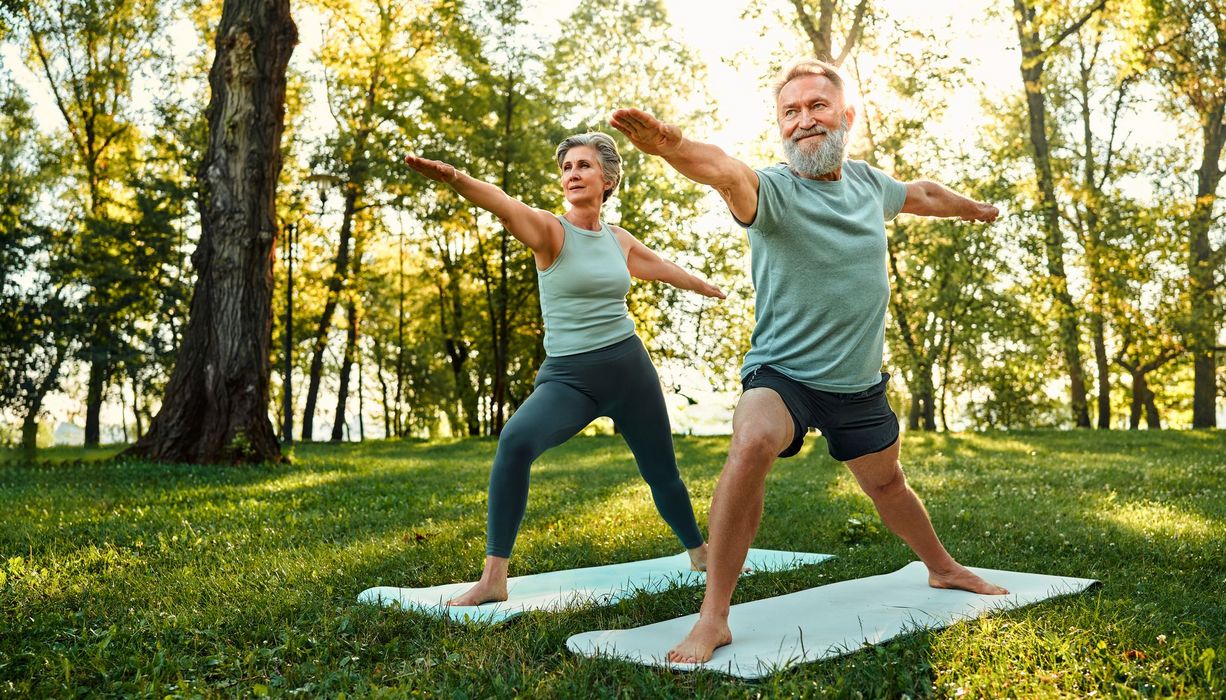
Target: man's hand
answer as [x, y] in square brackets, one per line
[433, 169]
[707, 289]
[648, 134]
[983, 212]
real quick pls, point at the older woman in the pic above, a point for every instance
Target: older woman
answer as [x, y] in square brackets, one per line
[595, 364]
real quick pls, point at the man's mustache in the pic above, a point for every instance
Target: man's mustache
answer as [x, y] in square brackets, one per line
[800, 132]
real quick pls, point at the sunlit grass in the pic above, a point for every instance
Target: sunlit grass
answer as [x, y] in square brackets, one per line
[131, 578]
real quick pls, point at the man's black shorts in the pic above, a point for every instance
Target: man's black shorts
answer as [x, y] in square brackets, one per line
[854, 425]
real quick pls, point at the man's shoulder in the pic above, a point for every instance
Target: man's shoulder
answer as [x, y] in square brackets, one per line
[778, 171]
[860, 168]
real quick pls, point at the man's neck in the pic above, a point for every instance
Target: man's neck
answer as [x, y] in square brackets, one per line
[833, 175]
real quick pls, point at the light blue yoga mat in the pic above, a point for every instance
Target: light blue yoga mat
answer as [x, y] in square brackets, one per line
[557, 590]
[772, 634]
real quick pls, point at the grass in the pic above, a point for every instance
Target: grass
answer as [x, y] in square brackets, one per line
[127, 578]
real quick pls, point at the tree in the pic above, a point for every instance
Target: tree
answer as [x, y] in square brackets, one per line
[1187, 40]
[373, 57]
[38, 320]
[1039, 34]
[216, 404]
[821, 32]
[89, 51]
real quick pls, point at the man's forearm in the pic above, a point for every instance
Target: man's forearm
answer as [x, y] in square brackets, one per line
[704, 163]
[940, 201]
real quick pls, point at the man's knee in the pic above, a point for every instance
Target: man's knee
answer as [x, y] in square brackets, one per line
[754, 449]
[893, 483]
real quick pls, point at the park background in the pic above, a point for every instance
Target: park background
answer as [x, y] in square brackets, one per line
[1095, 301]
[213, 558]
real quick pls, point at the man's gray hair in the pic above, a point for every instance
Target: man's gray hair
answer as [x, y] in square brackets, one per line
[606, 153]
[810, 66]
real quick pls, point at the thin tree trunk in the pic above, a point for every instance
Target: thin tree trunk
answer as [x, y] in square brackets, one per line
[336, 283]
[1139, 389]
[98, 373]
[351, 348]
[1203, 263]
[1033, 57]
[217, 400]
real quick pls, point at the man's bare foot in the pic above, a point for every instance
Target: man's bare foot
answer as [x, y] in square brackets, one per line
[697, 647]
[483, 592]
[698, 557]
[961, 578]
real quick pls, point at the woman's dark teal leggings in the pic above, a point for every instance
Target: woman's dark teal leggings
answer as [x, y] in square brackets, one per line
[617, 381]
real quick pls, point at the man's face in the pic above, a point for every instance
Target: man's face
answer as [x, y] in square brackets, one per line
[807, 108]
[813, 122]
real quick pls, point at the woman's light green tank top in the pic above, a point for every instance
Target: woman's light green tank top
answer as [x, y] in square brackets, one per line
[583, 293]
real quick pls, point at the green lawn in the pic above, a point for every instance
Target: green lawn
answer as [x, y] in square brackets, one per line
[139, 579]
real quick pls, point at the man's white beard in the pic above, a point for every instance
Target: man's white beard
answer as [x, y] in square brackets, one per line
[825, 158]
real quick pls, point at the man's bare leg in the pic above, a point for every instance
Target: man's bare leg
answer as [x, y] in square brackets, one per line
[882, 478]
[761, 429]
[491, 588]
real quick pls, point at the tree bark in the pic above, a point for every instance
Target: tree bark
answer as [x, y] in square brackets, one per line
[217, 400]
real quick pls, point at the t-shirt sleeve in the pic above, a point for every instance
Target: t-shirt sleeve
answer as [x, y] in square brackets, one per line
[893, 193]
[770, 203]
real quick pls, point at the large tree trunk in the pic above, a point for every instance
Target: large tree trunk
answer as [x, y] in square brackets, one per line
[216, 405]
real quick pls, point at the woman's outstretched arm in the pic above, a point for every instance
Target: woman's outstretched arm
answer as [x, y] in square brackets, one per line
[535, 228]
[646, 264]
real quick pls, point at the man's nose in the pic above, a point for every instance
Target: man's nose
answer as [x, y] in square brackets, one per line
[808, 120]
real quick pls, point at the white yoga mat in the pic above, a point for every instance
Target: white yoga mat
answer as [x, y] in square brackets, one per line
[556, 590]
[828, 621]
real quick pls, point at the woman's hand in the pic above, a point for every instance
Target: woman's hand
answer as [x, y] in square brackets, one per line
[433, 169]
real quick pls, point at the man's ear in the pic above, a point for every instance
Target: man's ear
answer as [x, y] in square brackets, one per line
[849, 113]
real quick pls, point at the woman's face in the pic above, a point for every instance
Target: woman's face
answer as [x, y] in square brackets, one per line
[582, 179]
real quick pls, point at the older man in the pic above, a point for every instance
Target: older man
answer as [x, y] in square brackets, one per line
[817, 237]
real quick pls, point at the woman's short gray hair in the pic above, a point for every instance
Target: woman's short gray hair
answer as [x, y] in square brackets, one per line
[606, 153]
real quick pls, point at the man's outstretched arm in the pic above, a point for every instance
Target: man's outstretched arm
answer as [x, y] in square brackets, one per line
[926, 198]
[703, 163]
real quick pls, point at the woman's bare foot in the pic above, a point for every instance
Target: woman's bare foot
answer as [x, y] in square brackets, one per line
[698, 557]
[707, 635]
[483, 592]
[961, 578]
[491, 588]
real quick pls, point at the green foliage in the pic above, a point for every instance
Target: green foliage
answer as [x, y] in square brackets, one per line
[127, 578]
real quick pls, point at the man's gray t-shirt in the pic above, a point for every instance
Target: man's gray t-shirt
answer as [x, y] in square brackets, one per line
[819, 267]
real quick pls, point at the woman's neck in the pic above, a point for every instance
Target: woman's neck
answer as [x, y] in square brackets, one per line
[583, 217]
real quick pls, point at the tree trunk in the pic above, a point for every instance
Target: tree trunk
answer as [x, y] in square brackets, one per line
[1203, 262]
[217, 400]
[821, 34]
[340, 273]
[1102, 366]
[351, 344]
[1033, 55]
[93, 401]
